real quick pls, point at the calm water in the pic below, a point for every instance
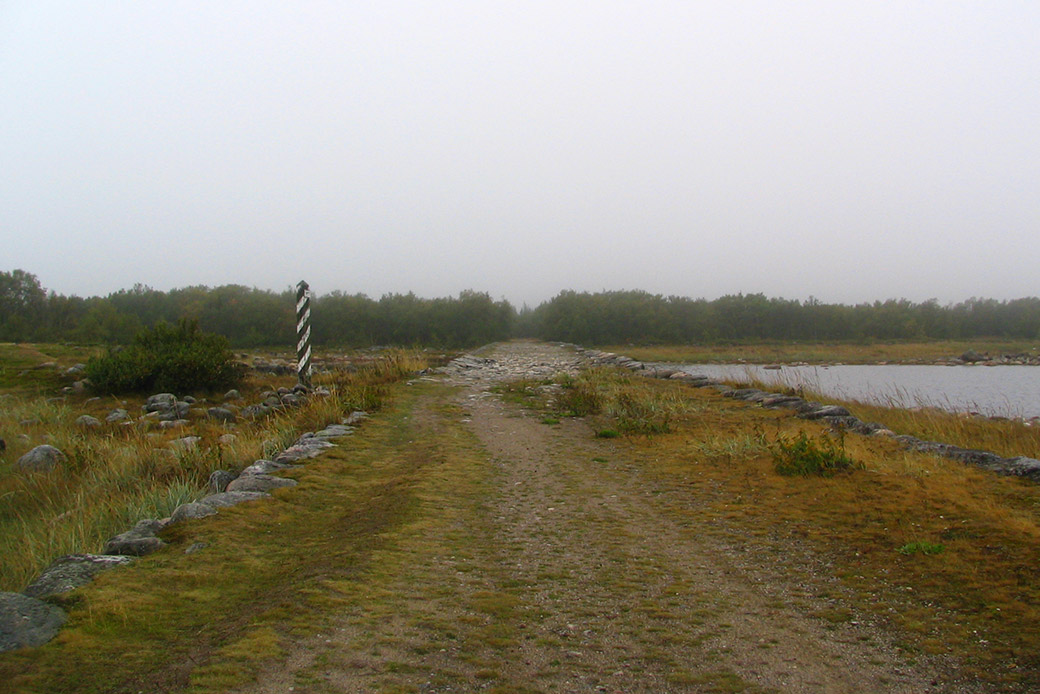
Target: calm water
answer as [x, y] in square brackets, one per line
[991, 390]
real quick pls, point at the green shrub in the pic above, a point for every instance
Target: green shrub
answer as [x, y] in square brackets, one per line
[178, 359]
[805, 456]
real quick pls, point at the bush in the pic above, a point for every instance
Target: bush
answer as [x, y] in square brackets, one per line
[178, 359]
[805, 456]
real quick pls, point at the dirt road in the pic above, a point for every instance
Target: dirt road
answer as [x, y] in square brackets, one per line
[542, 559]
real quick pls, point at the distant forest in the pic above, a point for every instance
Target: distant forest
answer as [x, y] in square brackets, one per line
[251, 317]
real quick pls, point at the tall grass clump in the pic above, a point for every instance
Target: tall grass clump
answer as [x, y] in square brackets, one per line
[805, 456]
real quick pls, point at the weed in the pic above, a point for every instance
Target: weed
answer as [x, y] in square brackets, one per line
[607, 434]
[922, 547]
[806, 456]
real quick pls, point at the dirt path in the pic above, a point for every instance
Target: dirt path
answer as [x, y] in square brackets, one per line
[543, 559]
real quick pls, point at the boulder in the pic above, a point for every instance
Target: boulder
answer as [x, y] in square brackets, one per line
[821, 411]
[191, 511]
[160, 401]
[971, 356]
[26, 622]
[219, 480]
[70, 572]
[355, 418]
[262, 467]
[227, 439]
[232, 394]
[303, 449]
[85, 421]
[41, 459]
[221, 414]
[138, 541]
[259, 483]
[173, 424]
[117, 415]
[226, 499]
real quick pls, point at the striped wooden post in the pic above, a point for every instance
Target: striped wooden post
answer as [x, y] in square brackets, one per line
[303, 333]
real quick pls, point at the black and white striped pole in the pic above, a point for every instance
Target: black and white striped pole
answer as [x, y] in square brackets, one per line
[303, 333]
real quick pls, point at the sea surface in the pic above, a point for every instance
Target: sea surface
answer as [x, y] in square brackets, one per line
[1008, 391]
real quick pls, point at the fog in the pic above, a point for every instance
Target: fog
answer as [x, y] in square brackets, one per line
[848, 151]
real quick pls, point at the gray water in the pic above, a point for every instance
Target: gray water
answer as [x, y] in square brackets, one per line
[1008, 391]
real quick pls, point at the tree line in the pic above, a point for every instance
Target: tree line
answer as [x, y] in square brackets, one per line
[251, 317]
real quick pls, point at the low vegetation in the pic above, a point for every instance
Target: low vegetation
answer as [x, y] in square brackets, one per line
[812, 352]
[167, 359]
[119, 473]
[804, 455]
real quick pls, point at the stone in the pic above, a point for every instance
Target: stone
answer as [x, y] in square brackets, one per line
[85, 421]
[190, 400]
[227, 499]
[117, 415]
[41, 459]
[26, 622]
[1023, 466]
[160, 401]
[355, 418]
[191, 511]
[262, 467]
[221, 414]
[333, 431]
[971, 356]
[219, 480]
[291, 400]
[303, 449]
[821, 411]
[185, 443]
[227, 439]
[70, 572]
[138, 541]
[259, 483]
[232, 394]
[195, 547]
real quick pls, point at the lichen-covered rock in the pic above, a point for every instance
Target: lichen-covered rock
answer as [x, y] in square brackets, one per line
[226, 499]
[70, 572]
[821, 411]
[85, 421]
[160, 401]
[221, 414]
[191, 511]
[26, 622]
[220, 479]
[262, 467]
[117, 415]
[259, 483]
[305, 447]
[41, 459]
[138, 541]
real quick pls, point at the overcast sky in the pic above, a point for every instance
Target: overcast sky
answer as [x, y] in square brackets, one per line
[850, 151]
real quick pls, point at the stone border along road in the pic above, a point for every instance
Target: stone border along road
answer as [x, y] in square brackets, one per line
[611, 588]
[835, 415]
[27, 621]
